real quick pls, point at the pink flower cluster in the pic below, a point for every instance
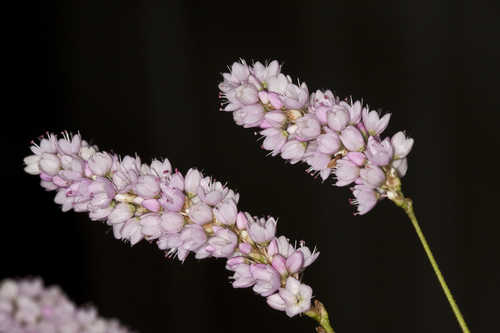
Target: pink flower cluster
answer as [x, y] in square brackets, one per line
[181, 213]
[27, 307]
[330, 135]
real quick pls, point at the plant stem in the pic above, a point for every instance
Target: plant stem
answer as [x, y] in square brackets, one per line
[407, 205]
[319, 313]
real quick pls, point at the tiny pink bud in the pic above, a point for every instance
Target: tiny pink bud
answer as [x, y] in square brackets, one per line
[121, 213]
[245, 248]
[100, 163]
[352, 138]
[272, 248]
[172, 222]
[263, 96]
[275, 100]
[151, 204]
[295, 262]
[279, 264]
[356, 157]
[241, 221]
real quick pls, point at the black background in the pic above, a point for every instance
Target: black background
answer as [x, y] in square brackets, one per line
[142, 77]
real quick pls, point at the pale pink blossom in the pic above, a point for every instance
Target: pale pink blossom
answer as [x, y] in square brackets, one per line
[297, 297]
[379, 153]
[373, 123]
[402, 145]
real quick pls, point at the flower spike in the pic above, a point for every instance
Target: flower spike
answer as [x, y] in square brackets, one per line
[182, 214]
[332, 136]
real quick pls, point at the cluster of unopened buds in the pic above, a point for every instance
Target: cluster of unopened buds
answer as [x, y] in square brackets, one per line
[330, 135]
[181, 213]
[26, 306]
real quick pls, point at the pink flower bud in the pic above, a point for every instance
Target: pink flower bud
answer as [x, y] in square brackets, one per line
[224, 243]
[193, 236]
[132, 231]
[379, 153]
[101, 200]
[352, 138]
[318, 161]
[338, 118]
[177, 181]
[261, 230]
[117, 230]
[263, 97]
[240, 71]
[295, 262]
[100, 163]
[274, 140]
[172, 199]
[272, 248]
[276, 302]
[32, 164]
[279, 264]
[308, 127]
[192, 181]
[45, 177]
[275, 118]
[245, 248]
[241, 221]
[59, 181]
[151, 204]
[296, 97]
[231, 263]
[169, 241]
[200, 213]
[372, 175]
[147, 186]
[401, 144]
[346, 172]
[275, 100]
[99, 214]
[267, 279]
[161, 169]
[278, 84]
[246, 94]
[50, 164]
[226, 212]
[69, 146]
[172, 222]
[356, 157]
[373, 124]
[211, 198]
[354, 112]
[293, 150]
[151, 226]
[242, 276]
[401, 166]
[121, 213]
[328, 143]
[366, 198]
[249, 115]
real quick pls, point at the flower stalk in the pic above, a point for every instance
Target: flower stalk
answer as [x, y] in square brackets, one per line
[407, 205]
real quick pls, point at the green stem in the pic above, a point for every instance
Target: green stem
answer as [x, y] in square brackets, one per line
[319, 313]
[407, 205]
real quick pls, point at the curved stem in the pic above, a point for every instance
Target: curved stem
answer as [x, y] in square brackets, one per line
[319, 313]
[407, 205]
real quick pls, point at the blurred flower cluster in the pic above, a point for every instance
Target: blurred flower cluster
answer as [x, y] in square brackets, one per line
[26, 306]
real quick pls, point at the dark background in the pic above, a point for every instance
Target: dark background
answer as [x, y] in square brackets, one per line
[142, 77]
